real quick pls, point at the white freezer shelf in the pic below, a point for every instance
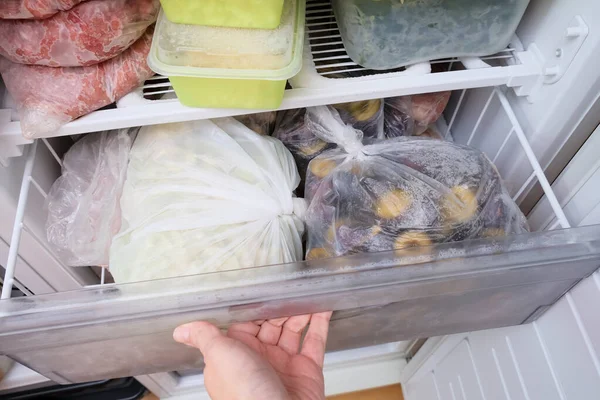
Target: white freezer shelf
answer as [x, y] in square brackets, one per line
[324, 57]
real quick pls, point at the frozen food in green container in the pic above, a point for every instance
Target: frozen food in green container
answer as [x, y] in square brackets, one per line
[230, 67]
[387, 34]
[259, 14]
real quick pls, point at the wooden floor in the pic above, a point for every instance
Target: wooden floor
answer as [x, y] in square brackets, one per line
[393, 392]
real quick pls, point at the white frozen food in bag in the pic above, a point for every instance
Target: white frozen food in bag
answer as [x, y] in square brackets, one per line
[206, 196]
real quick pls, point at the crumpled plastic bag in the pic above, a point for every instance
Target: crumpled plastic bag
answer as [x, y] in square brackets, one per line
[34, 9]
[206, 196]
[412, 115]
[88, 34]
[366, 116]
[398, 119]
[427, 108]
[292, 130]
[399, 193]
[83, 204]
[48, 98]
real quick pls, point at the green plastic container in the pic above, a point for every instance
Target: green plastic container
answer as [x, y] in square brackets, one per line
[258, 14]
[230, 67]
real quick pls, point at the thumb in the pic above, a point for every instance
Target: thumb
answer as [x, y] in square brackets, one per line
[197, 334]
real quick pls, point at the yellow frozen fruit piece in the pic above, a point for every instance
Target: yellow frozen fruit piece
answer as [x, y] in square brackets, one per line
[321, 167]
[392, 204]
[318, 253]
[460, 205]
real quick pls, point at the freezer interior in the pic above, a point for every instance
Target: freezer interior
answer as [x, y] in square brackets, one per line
[75, 326]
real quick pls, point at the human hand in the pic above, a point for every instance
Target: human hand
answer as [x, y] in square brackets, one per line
[262, 360]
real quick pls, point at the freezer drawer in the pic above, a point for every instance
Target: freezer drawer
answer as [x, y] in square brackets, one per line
[124, 330]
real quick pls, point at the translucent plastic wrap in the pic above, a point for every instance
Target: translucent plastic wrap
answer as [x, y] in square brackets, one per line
[398, 120]
[366, 116]
[292, 130]
[48, 98]
[34, 9]
[206, 196]
[83, 204]
[89, 33]
[412, 115]
[427, 108]
[261, 123]
[400, 193]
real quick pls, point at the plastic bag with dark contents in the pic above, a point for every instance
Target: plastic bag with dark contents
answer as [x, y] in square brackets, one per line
[261, 123]
[83, 204]
[399, 193]
[292, 130]
[366, 116]
[412, 115]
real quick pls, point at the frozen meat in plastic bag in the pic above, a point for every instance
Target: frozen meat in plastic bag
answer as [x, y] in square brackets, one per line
[89, 33]
[427, 108]
[48, 98]
[206, 196]
[34, 9]
[83, 204]
[261, 123]
[400, 193]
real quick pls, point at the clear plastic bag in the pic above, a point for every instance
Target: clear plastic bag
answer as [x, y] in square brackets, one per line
[206, 196]
[48, 98]
[427, 108]
[261, 123]
[34, 9]
[291, 128]
[412, 115]
[398, 120]
[83, 204]
[366, 116]
[399, 193]
[88, 34]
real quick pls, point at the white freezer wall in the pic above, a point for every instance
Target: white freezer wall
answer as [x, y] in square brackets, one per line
[555, 358]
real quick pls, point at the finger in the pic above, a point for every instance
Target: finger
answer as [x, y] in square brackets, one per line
[278, 321]
[291, 334]
[201, 335]
[269, 333]
[245, 327]
[316, 338]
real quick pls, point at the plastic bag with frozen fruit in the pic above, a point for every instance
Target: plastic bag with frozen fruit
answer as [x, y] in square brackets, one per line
[400, 193]
[83, 204]
[206, 196]
[34, 9]
[89, 33]
[48, 98]
[412, 115]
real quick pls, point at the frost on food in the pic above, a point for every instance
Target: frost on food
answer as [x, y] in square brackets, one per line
[388, 34]
[91, 32]
[48, 98]
[34, 9]
[403, 193]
